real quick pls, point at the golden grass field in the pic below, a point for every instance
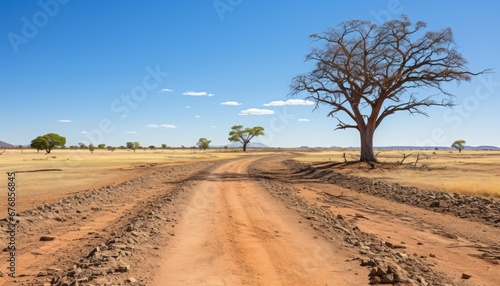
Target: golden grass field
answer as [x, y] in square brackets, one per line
[470, 172]
[80, 170]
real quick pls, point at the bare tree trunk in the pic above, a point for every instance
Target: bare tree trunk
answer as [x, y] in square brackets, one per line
[245, 146]
[366, 135]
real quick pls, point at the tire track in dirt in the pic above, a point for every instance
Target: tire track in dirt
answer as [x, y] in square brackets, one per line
[233, 232]
[426, 243]
[81, 222]
[446, 243]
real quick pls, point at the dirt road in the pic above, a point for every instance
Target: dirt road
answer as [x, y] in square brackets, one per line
[247, 221]
[234, 232]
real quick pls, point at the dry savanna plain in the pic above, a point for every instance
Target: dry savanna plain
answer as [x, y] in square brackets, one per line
[264, 217]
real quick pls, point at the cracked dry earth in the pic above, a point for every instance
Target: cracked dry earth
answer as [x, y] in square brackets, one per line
[251, 221]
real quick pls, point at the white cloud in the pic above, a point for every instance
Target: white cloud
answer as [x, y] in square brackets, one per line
[166, 90]
[232, 103]
[256, 111]
[168, 126]
[213, 126]
[290, 102]
[131, 132]
[197, 116]
[197, 93]
[303, 120]
[187, 106]
[162, 126]
[83, 132]
[64, 121]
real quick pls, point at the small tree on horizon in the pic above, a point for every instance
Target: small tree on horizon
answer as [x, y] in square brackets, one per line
[459, 145]
[101, 146]
[91, 148]
[238, 134]
[133, 145]
[203, 143]
[164, 146]
[82, 145]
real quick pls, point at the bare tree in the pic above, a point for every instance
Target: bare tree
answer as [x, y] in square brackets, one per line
[366, 72]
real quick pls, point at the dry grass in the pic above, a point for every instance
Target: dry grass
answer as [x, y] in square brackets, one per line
[470, 172]
[76, 170]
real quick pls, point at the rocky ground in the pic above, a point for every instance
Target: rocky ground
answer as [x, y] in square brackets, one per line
[479, 209]
[257, 221]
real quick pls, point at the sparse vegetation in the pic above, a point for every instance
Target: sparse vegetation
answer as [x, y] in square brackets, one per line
[133, 145]
[437, 170]
[203, 143]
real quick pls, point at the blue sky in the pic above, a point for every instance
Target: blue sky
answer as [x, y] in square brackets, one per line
[174, 71]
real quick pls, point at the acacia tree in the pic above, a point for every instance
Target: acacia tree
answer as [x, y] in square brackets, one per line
[203, 143]
[459, 145]
[238, 134]
[365, 72]
[91, 148]
[48, 141]
[133, 145]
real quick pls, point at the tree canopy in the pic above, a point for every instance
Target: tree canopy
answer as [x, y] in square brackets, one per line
[48, 141]
[238, 134]
[459, 145]
[365, 72]
[203, 143]
[133, 145]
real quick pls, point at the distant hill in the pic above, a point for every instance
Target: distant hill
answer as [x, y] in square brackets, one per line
[239, 145]
[5, 145]
[482, 147]
[250, 145]
[439, 147]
